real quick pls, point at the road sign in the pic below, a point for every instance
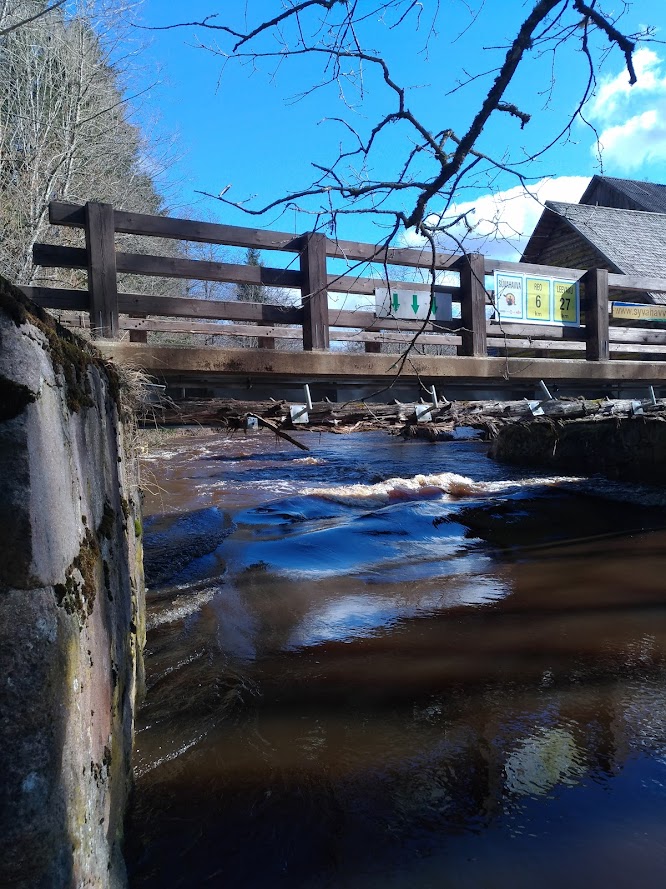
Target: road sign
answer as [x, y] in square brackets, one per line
[412, 305]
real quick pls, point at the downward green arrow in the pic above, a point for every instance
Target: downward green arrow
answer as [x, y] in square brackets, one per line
[415, 303]
[396, 302]
[433, 305]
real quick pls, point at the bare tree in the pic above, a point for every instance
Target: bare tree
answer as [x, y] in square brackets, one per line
[415, 189]
[66, 131]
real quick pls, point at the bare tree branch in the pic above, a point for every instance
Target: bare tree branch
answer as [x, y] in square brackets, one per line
[31, 18]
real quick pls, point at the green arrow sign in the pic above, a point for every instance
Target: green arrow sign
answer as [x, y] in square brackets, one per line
[396, 302]
[415, 303]
[433, 306]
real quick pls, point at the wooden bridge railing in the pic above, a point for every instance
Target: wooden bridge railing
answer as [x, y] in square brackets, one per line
[111, 312]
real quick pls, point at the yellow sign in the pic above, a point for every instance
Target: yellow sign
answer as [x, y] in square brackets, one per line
[565, 309]
[636, 312]
[538, 299]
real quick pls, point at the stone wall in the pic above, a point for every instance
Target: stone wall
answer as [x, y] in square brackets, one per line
[71, 607]
[626, 448]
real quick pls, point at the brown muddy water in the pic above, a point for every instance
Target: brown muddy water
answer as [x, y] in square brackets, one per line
[397, 664]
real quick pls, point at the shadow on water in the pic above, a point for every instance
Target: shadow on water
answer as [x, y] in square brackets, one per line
[356, 689]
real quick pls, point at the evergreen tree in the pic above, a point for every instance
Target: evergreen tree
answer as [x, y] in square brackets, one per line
[252, 293]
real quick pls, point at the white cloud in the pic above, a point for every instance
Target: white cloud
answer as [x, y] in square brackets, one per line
[640, 139]
[501, 223]
[631, 119]
[615, 93]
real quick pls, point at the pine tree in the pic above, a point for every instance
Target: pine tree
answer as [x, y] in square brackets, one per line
[252, 293]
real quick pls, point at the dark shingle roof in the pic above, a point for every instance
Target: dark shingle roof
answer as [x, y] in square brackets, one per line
[648, 196]
[632, 240]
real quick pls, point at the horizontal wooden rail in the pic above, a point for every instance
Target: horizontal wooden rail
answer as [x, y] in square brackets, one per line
[52, 256]
[289, 333]
[73, 216]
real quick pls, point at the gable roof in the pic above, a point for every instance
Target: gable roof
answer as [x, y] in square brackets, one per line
[630, 193]
[631, 242]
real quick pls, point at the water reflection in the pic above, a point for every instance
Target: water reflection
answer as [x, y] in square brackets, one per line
[462, 692]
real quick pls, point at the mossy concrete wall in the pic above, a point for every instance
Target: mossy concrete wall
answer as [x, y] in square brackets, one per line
[71, 607]
[628, 448]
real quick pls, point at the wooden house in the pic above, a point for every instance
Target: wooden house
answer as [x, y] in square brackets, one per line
[624, 239]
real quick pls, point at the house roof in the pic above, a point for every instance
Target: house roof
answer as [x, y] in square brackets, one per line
[648, 196]
[632, 240]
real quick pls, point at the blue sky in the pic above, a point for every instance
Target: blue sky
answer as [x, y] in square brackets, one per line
[238, 125]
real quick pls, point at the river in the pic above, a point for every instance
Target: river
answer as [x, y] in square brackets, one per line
[397, 664]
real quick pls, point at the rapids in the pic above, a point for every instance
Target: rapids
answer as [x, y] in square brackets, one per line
[397, 664]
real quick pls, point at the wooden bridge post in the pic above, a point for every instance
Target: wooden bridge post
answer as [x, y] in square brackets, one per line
[596, 315]
[102, 280]
[314, 293]
[473, 306]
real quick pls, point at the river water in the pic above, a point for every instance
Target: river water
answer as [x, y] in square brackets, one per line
[397, 664]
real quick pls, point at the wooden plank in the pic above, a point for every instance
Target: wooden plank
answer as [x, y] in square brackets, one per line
[636, 283]
[211, 328]
[208, 328]
[182, 307]
[181, 229]
[546, 345]
[209, 361]
[51, 256]
[405, 256]
[344, 318]
[636, 335]
[72, 215]
[473, 306]
[314, 296]
[366, 286]
[101, 264]
[205, 270]
[596, 314]
[544, 331]
[492, 265]
[55, 298]
[628, 348]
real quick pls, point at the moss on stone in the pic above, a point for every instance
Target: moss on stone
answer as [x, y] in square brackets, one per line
[77, 594]
[105, 528]
[14, 398]
[72, 355]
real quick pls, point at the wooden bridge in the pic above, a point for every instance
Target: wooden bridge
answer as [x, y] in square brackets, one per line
[484, 344]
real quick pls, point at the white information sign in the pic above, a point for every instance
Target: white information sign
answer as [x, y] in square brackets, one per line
[510, 296]
[413, 305]
[537, 299]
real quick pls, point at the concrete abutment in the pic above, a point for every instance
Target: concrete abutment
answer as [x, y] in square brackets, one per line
[72, 619]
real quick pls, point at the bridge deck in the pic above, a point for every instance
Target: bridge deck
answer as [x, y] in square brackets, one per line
[166, 362]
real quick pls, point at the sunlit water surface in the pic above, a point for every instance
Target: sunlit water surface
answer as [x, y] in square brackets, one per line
[397, 664]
